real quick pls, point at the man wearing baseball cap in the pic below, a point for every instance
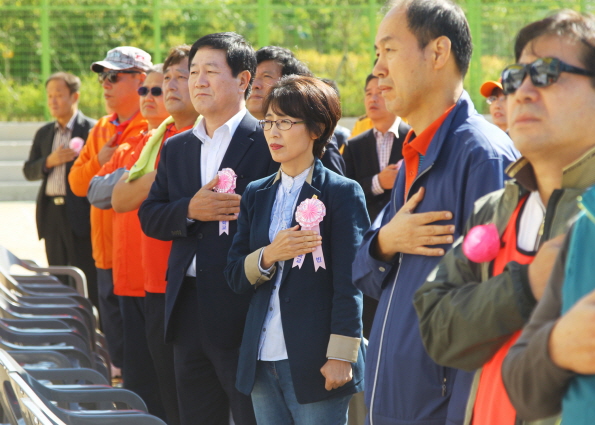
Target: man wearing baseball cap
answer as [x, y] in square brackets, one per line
[121, 73]
[492, 91]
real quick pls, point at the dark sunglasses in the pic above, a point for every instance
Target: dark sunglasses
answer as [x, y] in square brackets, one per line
[112, 76]
[155, 91]
[543, 72]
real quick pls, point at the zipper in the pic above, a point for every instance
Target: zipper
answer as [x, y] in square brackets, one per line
[444, 383]
[390, 299]
[415, 180]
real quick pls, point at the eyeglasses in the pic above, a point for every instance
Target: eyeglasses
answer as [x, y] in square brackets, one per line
[281, 124]
[112, 76]
[494, 99]
[543, 72]
[155, 91]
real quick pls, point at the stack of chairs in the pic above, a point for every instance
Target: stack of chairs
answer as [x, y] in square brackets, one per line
[54, 365]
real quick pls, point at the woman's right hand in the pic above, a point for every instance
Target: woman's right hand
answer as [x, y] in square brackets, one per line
[289, 244]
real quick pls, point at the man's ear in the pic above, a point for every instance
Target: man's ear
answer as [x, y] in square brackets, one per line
[141, 78]
[440, 51]
[76, 95]
[244, 79]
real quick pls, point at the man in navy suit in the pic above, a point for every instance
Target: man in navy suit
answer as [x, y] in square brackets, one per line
[204, 319]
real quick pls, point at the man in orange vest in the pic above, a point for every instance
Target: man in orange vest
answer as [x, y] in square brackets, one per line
[121, 73]
[476, 301]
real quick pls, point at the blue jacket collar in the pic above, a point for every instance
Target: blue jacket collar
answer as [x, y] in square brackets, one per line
[463, 109]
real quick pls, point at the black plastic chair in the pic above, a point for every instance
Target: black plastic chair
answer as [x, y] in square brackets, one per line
[110, 406]
[8, 259]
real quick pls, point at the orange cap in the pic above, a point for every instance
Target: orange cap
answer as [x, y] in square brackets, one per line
[488, 87]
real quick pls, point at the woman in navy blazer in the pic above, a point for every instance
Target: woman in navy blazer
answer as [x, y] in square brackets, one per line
[302, 354]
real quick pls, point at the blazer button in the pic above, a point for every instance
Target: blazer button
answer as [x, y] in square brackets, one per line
[199, 236]
[286, 299]
[382, 269]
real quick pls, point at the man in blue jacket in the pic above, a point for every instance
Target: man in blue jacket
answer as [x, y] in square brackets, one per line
[452, 156]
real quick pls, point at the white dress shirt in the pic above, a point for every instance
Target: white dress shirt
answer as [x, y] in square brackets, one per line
[384, 146]
[212, 151]
[56, 182]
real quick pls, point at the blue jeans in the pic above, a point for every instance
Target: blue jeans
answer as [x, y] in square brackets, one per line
[275, 403]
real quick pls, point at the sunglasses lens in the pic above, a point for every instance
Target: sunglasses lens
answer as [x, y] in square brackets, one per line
[512, 78]
[155, 91]
[112, 77]
[545, 72]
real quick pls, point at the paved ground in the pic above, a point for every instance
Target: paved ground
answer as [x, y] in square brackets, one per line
[18, 232]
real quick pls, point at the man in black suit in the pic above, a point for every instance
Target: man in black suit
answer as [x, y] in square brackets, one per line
[372, 158]
[204, 319]
[273, 63]
[62, 217]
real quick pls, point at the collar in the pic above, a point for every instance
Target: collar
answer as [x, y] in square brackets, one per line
[115, 120]
[70, 124]
[290, 183]
[231, 125]
[394, 129]
[308, 177]
[422, 142]
[576, 175]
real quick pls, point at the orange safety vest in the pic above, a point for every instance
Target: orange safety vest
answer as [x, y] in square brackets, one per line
[84, 169]
[154, 253]
[492, 405]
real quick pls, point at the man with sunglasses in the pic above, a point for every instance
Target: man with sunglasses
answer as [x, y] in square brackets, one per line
[121, 73]
[471, 313]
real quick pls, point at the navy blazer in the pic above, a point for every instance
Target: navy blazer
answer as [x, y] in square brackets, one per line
[163, 215]
[77, 207]
[314, 305]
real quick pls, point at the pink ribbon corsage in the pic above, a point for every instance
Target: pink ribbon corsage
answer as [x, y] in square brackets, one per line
[76, 144]
[226, 184]
[309, 214]
[482, 243]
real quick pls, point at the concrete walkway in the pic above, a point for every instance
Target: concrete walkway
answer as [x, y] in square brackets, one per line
[18, 232]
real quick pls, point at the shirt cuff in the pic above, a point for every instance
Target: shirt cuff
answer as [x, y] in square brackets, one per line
[189, 221]
[252, 269]
[266, 272]
[376, 188]
[341, 347]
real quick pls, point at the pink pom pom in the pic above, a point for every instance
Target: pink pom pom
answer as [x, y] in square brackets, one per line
[227, 181]
[482, 243]
[76, 144]
[309, 213]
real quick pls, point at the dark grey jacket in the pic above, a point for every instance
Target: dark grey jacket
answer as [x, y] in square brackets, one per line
[34, 169]
[465, 313]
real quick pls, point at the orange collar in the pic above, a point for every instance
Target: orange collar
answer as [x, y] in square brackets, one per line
[422, 142]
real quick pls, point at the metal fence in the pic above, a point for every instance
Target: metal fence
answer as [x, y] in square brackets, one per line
[335, 37]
